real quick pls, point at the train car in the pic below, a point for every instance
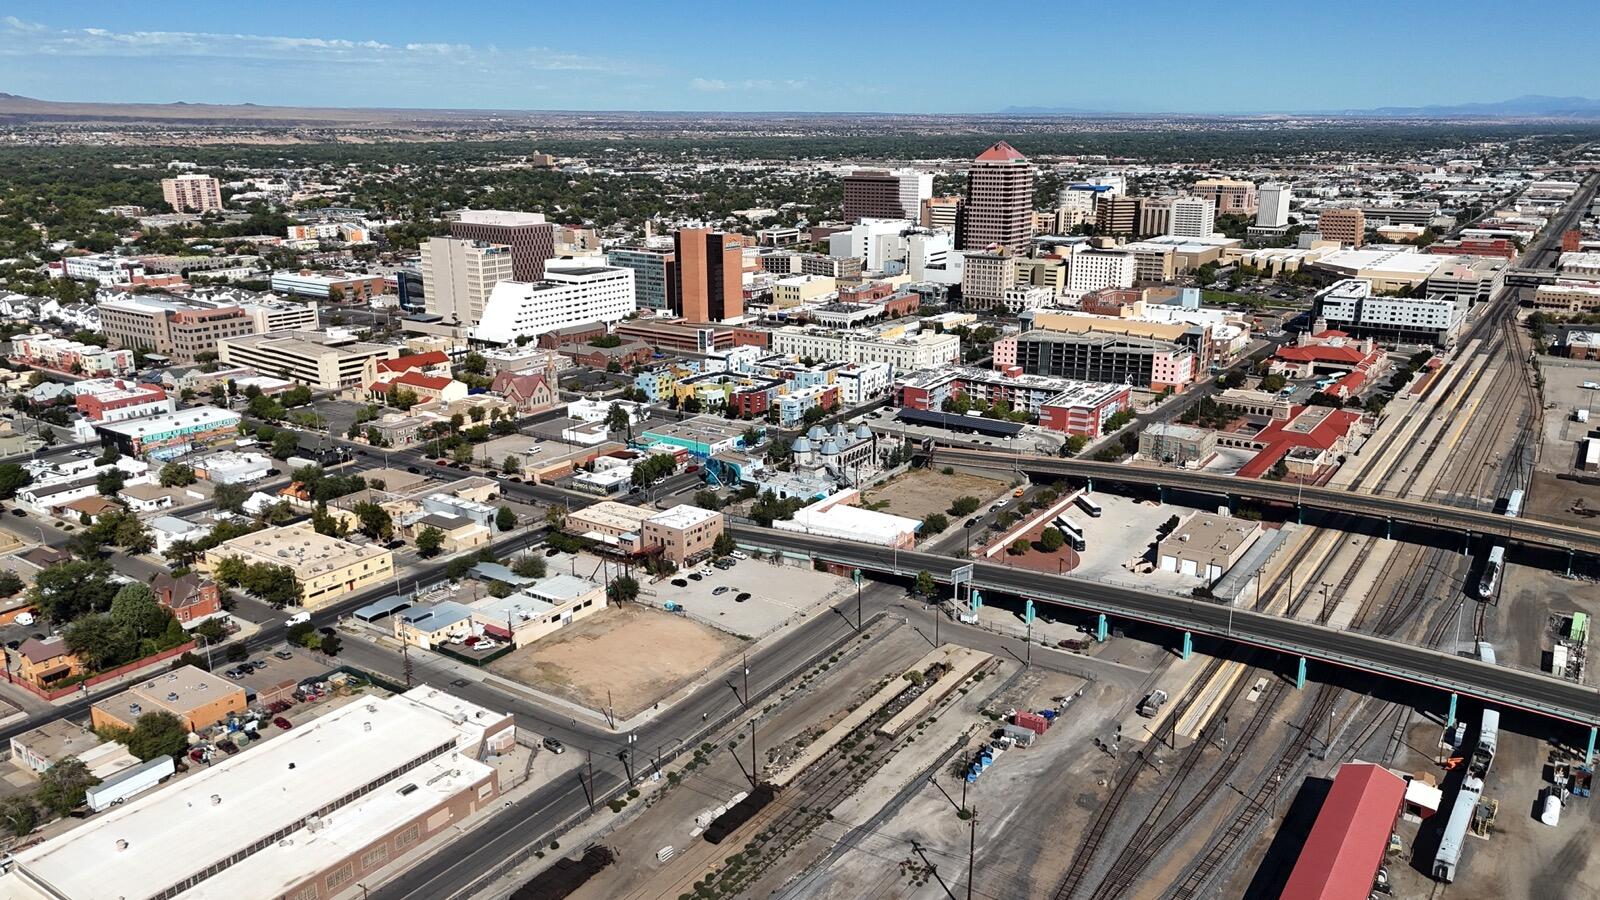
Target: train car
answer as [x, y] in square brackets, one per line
[1455, 830]
[1514, 504]
[1488, 743]
[1490, 582]
[1087, 504]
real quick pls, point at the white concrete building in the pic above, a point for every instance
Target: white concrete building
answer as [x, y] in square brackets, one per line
[861, 382]
[929, 255]
[874, 241]
[102, 268]
[565, 297]
[458, 275]
[1273, 211]
[1093, 270]
[905, 353]
[1350, 306]
[1192, 217]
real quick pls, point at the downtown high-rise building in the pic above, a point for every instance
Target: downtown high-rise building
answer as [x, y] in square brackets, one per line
[192, 193]
[708, 279]
[1192, 217]
[1273, 208]
[884, 194]
[531, 239]
[998, 207]
[458, 276]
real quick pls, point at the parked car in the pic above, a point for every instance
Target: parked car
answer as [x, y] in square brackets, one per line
[721, 589]
[679, 582]
[283, 654]
[695, 576]
[743, 596]
[258, 664]
[554, 746]
[227, 746]
[411, 469]
[19, 513]
[283, 723]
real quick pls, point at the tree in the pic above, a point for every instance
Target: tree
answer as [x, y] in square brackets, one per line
[100, 642]
[331, 644]
[230, 497]
[110, 481]
[62, 786]
[1051, 539]
[12, 478]
[623, 589]
[19, 815]
[10, 583]
[68, 590]
[1273, 383]
[934, 523]
[277, 585]
[511, 465]
[707, 500]
[617, 419]
[724, 545]
[1117, 420]
[529, 566]
[285, 444]
[964, 506]
[374, 521]
[157, 734]
[925, 586]
[135, 609]
[324, 522]
[505, 519]
[1018, 547]
[429, 541]
[177, 475]
[555, 517]
[1074, 445]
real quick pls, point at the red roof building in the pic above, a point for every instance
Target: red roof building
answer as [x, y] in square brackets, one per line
[1317, 430]
[434, 362]
[1001, 152]
[529, 393]
[1347, 844]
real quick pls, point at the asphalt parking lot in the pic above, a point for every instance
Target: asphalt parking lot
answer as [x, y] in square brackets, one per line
[775, 597]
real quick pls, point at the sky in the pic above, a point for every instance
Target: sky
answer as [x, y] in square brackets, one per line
[933, 56]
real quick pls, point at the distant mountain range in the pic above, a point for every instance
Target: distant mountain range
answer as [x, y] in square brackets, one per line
[1528, 106]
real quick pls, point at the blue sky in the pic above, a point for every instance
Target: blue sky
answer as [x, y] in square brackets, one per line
[821, 55]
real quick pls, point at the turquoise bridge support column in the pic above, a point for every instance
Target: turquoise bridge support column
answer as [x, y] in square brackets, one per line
[1188, 645]
[1588, 757]
[1569, 562]
[1300, 675]
[1450, 720]
[1100, 630]
[1388, 528]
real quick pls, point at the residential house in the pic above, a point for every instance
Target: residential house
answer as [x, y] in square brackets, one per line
[191, 598]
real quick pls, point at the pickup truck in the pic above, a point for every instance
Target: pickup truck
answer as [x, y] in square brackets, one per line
[1152, 703]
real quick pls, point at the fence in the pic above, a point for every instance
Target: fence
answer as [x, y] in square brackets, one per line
[108, 675]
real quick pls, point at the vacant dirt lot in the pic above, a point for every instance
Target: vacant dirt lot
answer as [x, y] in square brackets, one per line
[922, 492]
[638, 653]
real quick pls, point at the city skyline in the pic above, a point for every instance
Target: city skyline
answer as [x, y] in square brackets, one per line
[422, 56]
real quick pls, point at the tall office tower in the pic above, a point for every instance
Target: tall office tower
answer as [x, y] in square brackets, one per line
[998, 209]
[709, 280]
[1192, 217]
[1232, 196]
[531, 239]
[941, 212]
[1274, 209]
[654, 269]
[1347, 226]
[880, 194]
[1117, 215]
[458, 276]
[192, 193]
[1155, 215]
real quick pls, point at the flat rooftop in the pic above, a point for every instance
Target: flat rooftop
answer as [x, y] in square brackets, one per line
[299, 547]
[611, 514]
[683, 516]
[164, 837]
[193, 417]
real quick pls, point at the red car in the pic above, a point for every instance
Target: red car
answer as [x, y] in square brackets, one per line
[283, 723]
[197, 755]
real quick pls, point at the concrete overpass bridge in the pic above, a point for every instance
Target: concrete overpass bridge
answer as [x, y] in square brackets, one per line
[1533, 692]
[1557, 536]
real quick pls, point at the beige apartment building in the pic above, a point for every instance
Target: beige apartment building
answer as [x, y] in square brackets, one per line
[684, 533]
[1347, 226]
[458, 275]
[192, 193]
[985, 278]
[328, 568]
[316, 359]
[1231, 195]
[184, 329]
[799, 290]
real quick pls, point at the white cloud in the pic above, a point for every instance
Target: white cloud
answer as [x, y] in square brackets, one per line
[19, 38]
[747, 84]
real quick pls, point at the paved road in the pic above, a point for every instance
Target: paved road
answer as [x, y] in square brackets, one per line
[1530, 691]
[1535, 532]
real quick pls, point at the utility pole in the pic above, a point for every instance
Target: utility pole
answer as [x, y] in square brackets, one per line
[747, 681]
[1027, 616]
[754, 781]
[588, 757]
[858, 579]
[972, 846]
[405, 662]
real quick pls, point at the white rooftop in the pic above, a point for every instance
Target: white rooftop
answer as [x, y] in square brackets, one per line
[164, 837]
[499, 217]
[683, 515]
